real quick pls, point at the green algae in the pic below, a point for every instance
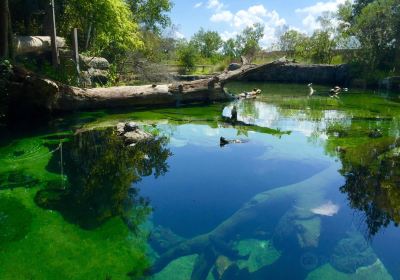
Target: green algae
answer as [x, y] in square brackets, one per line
[260, 253]
[179, 269]
[15, 220]
[55, 249]
[31, 237]
[372, 272]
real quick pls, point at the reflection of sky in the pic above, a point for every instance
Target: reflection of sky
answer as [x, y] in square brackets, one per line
[267, 115]
[294, 146]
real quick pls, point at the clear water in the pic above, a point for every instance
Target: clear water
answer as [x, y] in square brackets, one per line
[313, 192]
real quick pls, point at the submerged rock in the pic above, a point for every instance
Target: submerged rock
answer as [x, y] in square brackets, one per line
[163, 239]
[372, 272]
[352, 253]
[260, 253]
[222, 264]
[179, 269]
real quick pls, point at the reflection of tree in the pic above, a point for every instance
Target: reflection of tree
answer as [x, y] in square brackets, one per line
[373, 182]
[100, 170]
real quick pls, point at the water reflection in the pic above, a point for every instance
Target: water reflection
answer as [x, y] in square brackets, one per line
[374, 186]
[100, 171]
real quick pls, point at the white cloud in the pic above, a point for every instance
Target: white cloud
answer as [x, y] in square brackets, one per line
[226, 35]
[224, 16]
[179, 35]
[271, 21]
[311, 13]
[215, 4]
[198, 5]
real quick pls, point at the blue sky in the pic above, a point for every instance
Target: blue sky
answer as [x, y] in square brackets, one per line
[229, 17]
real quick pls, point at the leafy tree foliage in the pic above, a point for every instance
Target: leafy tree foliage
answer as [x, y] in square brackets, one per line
[207, 42]
[248, 41]
[290, 41]
[151, 14]
[187, 55]
[377, 28]
[107, 25]
[229, 49]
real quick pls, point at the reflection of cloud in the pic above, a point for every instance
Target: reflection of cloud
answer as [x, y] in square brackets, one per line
[328, 209]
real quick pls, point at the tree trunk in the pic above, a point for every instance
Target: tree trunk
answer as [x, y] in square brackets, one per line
[4, 29]
[53, 35]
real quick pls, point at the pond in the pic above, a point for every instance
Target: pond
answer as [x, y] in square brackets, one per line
[311, 191]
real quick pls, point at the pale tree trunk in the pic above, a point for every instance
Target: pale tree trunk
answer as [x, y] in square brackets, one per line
[53, 35]
[4, 29]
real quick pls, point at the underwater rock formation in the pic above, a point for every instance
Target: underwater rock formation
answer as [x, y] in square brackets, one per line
[352, 253]
[220, 240]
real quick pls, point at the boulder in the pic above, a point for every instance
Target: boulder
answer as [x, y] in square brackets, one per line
[132, 134]
[94, 62]
[352, 253]
[94, 76]
[234, 66]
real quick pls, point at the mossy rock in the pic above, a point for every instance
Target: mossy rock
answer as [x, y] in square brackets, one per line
[352, 253]
[15, 220]
[261, 253]
[179, 269]
[375, 271]
[49, 198]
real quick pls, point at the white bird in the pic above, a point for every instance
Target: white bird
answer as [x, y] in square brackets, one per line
[312, 91]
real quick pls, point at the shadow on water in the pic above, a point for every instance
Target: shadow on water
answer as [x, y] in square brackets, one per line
[100, 170]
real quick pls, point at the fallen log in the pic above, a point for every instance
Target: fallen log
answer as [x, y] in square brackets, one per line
[35, 44]
[32, 93]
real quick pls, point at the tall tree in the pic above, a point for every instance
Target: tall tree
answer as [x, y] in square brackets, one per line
[248, 42]
[107, 24]
[207, 42]
[151, 14]
[377, 28]
[229, 49]
[289, 41]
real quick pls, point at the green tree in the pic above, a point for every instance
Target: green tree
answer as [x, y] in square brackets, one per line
[207, 42]
[151, 14]
[377, 28]
[229, 49]
[289, 41]
[321, 47]
[187, 55]
[359, 5]
[107, 25]
[248, 41]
